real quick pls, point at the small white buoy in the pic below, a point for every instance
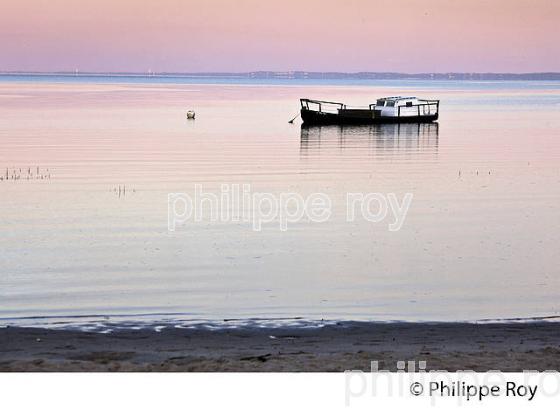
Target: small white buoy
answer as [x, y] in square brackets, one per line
[190, 115]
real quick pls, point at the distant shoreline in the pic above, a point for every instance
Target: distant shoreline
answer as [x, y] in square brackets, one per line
[305, 75]
[335, 348]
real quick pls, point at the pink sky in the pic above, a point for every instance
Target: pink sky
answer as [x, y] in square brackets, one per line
[312, 35]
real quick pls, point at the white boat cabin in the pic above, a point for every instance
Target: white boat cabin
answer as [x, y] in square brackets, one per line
[405, 107]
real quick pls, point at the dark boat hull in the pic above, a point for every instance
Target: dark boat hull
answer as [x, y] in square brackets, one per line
[355, 117]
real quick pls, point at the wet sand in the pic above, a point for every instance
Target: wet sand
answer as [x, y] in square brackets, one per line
[333, 348]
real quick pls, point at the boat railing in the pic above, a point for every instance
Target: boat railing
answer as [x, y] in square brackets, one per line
[426, 107]
[422, 108]
[321, 106]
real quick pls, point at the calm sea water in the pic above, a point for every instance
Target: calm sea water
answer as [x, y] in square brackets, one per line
[480, 240]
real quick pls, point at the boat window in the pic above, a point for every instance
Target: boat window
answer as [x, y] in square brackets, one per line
[380, 103]
[390, 103]
[409, 103]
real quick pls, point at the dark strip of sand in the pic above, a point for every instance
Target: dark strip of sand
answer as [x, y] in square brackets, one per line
[347, 346]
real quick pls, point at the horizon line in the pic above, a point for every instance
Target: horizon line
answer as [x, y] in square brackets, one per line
[277, 72]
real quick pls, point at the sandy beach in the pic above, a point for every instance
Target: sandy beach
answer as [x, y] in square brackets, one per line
[333, 348]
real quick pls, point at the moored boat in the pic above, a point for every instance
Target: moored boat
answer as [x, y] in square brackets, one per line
[385, 110]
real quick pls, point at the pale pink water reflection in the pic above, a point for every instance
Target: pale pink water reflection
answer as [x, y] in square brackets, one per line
[480, 240]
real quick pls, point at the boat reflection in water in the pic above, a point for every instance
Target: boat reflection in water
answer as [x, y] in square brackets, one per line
[379, 139]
